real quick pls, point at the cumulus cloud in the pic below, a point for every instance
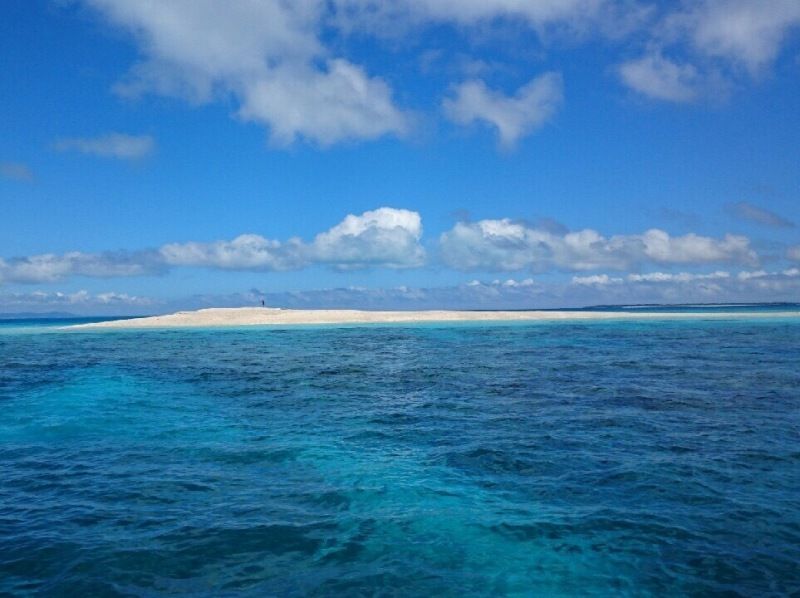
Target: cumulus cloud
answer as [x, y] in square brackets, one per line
[716, 40]
[267, 56]
[245, 252]
[746, 32]
[281, 64]
[339, 103]
[385, 238]
[16, 171]
[719, 40]
[111, 145]
[660, 78]
[392, 238]
[512, 116]
[746, 211]
[749, 32]
[508, 245]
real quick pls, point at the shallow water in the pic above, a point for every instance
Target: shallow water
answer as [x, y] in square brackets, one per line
[654, 458]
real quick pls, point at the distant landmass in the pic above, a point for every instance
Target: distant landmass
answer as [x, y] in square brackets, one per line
[30, 315]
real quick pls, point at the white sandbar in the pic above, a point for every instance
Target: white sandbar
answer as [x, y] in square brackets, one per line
[266, 316]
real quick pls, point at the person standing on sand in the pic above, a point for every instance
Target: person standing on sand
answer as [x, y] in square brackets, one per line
[262, 303]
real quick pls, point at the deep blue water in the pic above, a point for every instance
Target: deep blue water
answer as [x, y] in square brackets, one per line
[549, 459]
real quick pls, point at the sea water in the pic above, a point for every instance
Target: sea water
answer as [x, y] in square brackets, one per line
[547, 459]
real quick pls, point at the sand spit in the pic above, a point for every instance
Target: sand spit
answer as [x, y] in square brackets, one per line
[261, 316]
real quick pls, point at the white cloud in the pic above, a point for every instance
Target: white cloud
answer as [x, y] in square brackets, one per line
[384, 237]
[111, 145]
[245, 252]
[513, 116]
[266, 55]
[508, 245]
[660, 78]
[595, 279]
[745, 275]
[746, 32]
[718, 40]
[392, 238]
[339, 103]
[685, 287]
[50, 267]
[16, 171]
[281, 63]
[660, 247]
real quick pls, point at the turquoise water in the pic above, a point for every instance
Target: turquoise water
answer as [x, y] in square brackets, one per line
[558, 459]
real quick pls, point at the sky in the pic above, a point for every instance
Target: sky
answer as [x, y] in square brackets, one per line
[170, 154]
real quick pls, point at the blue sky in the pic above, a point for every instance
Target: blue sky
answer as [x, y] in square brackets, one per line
[498, 153]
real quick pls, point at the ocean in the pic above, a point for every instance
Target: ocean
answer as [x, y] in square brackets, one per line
[653, 458]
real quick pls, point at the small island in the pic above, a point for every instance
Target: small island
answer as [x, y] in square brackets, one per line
[268, 316]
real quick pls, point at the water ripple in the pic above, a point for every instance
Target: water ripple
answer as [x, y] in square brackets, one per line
[561, 459]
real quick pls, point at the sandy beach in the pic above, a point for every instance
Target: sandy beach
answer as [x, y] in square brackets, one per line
[261, 316]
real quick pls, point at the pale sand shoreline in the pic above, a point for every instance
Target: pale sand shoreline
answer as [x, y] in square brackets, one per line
[265, 316]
